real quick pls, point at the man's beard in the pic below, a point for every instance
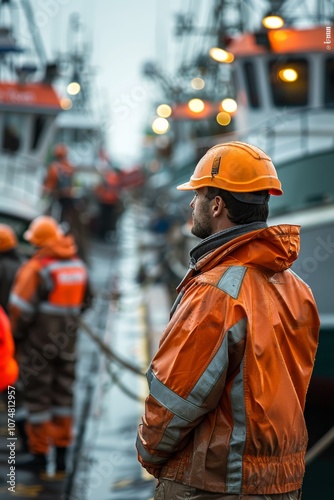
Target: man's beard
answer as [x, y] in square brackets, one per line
[202, 228]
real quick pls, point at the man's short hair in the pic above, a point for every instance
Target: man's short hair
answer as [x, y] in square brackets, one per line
[240, 212]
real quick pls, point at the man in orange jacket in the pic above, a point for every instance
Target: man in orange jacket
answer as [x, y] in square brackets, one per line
[49, 293]
[224, 416]
[58, 183]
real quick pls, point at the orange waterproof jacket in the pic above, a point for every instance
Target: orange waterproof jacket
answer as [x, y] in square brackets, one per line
[53, 282]
[107, 191]
[59, 179]
[229, 381]
[9, 370]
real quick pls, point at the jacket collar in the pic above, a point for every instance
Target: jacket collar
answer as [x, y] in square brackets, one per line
[218, 239]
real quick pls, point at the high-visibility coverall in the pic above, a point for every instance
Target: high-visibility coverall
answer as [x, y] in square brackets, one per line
[49, 293]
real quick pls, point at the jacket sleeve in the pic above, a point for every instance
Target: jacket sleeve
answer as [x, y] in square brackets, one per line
[23, 300]
[188, 374]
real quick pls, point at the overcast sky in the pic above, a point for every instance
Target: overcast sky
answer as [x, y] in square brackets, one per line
[123, 35]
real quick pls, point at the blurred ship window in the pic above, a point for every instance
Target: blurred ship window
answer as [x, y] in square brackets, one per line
[38, 128]
[329, 81]
[12, 132]
[307, 182]
[252, 86]
[76, 135]
[289, 79]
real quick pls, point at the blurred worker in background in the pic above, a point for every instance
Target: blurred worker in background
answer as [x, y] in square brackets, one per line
[224, 416]
[59, 187]
[9, 370]
[49, 293]
[10, 261]
[58, 184]
[107, 193]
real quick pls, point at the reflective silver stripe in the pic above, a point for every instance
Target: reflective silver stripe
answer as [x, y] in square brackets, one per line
[189, 409]
[38, 418]
[25, 306]
[238, 437]
[231, 280]
[60, 264]
[68, 356]
[61, 411]
[48, 308]
[218, 363]
[146, 456]
[184, 408]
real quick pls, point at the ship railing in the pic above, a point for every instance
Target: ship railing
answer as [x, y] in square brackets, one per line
[289, 133]
[21, 177]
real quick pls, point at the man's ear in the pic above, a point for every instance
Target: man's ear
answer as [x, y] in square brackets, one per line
[217, 206]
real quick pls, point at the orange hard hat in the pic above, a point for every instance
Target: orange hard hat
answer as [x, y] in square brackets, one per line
[8, 239]
[60, 151]
[42, 231]
[236, 167]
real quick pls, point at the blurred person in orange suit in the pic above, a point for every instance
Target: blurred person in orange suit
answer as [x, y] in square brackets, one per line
[50, 292]
[10, 261]
[107, 193]
[8, 366]
[58, 183]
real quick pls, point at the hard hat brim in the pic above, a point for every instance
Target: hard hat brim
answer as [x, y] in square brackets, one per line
[185, 187]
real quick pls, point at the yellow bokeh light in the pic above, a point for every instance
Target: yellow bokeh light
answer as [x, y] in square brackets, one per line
[229, 105]
[223, 118]
[280, 36]
[160, 125]
[66, 103]
[164, 110]
[221, 55]
[273, 22]
[198, 83]
[73, 88]
[196, 105]
[288, 75]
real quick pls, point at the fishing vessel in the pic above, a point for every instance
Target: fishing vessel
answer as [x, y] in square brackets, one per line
[29, 106]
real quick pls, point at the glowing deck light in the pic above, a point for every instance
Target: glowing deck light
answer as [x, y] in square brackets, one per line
[196, 105]
[221, 55]
[73, 88]
[66, 103]
[229, 105]
[223, 118]
[164, 110]
[288, 75]
[160, 125]
[273, 22]
[198, 83]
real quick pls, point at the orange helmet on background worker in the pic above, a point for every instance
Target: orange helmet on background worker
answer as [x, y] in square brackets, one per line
[8, 240]
[43, 230]
[60, 151]
[237, 167]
